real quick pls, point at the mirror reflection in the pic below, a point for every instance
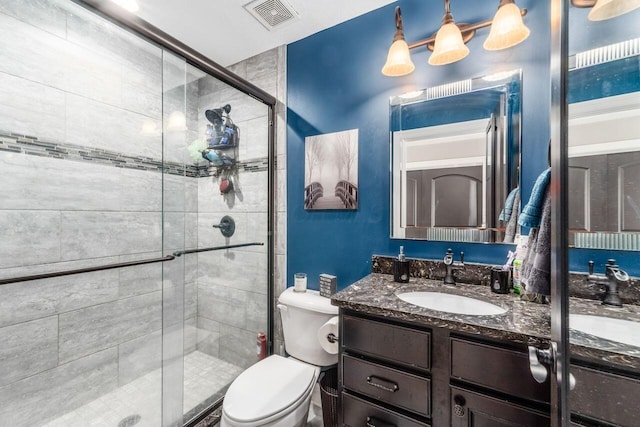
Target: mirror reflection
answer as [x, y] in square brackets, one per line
[604, 148]
[455, 153]
[603, 98]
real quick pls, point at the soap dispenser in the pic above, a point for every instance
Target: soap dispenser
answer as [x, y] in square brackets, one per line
[401, 267]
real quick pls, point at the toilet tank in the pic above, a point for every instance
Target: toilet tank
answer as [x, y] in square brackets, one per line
[302, 314]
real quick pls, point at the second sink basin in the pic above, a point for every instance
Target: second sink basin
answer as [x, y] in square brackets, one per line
[451, 303]
[622, 331]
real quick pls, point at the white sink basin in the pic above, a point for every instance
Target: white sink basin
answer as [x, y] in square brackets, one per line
[622, 331]
[451, 303]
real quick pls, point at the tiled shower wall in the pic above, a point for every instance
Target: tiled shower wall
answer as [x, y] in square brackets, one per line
[81, 107]
[81, 186]
[232, 292]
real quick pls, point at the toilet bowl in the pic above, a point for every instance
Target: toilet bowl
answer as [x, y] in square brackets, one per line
[276, 392]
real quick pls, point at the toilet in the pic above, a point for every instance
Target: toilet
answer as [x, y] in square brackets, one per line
[277, 390]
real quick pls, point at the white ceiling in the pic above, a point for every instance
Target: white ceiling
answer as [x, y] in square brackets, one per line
[226, 33]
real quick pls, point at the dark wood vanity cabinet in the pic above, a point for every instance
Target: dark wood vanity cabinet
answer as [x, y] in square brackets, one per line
[396, 374]
[393, 373]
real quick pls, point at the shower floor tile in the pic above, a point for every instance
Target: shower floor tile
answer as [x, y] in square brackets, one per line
[204, 376]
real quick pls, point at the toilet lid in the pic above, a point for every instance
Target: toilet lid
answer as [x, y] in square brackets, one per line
[267, 388]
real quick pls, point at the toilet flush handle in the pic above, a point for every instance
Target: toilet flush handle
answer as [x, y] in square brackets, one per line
[282, 308]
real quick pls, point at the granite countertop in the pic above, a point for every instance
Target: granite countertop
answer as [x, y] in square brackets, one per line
[524, 322]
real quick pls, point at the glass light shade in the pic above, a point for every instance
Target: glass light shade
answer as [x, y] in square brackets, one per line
[398, 60]
[130, 5]
[507, 28]
[449, 46]
[607, 9]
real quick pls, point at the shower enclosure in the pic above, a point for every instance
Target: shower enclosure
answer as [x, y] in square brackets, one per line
[120, 302]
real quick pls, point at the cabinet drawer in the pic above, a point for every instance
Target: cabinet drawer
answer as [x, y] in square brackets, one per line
[389, 385]
[404, 346]
[470, 409]
[604, 396]
[360, 413]
[496, 368]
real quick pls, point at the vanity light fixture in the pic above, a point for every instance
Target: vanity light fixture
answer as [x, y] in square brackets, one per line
[607, 9]
[448, 44]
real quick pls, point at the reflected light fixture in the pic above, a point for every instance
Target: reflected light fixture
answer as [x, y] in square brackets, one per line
[448, 44]
[130, 5]
[607, 9]
[177, 121]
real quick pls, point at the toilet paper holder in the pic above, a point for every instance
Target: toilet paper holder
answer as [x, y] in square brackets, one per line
[328, 336]
[332, 338]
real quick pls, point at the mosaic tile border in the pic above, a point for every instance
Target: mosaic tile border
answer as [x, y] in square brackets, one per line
[30, 145]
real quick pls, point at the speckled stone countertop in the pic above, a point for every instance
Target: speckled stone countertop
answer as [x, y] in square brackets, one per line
[524, 322]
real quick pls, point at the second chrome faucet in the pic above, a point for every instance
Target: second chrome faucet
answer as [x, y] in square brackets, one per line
[612, 278]
[451, 266]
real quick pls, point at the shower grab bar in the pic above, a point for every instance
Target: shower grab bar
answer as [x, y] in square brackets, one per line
[119, 264]
[215, 248]
[85, 270]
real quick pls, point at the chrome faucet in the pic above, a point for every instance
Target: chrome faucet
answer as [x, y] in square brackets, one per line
[451, 266]
[610, 280]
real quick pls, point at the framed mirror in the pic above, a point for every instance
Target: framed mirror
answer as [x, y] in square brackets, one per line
[604, 147]
[455, 159]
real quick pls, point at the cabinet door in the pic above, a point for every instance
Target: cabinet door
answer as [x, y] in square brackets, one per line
[470, 409]
[606, 397]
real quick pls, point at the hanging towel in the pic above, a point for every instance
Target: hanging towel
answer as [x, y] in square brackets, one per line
[509, 204]
[536, 268]
[512, 225]
[532, 212]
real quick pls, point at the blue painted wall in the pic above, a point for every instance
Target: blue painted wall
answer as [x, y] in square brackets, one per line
[334, 83]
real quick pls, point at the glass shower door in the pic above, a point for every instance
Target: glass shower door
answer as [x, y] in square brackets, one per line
[226, 291]
[80, 167]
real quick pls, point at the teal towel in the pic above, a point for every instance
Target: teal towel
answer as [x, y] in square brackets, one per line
[505, 215]
[532, 212]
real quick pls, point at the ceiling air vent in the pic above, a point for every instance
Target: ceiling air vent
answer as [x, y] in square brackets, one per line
[271, 13]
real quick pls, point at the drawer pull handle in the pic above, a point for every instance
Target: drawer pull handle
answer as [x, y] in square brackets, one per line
[375, 422]
[382, 384]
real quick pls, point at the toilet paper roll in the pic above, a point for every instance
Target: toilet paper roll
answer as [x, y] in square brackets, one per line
[331, 327]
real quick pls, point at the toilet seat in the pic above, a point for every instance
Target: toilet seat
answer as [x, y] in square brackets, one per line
[268, 390]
